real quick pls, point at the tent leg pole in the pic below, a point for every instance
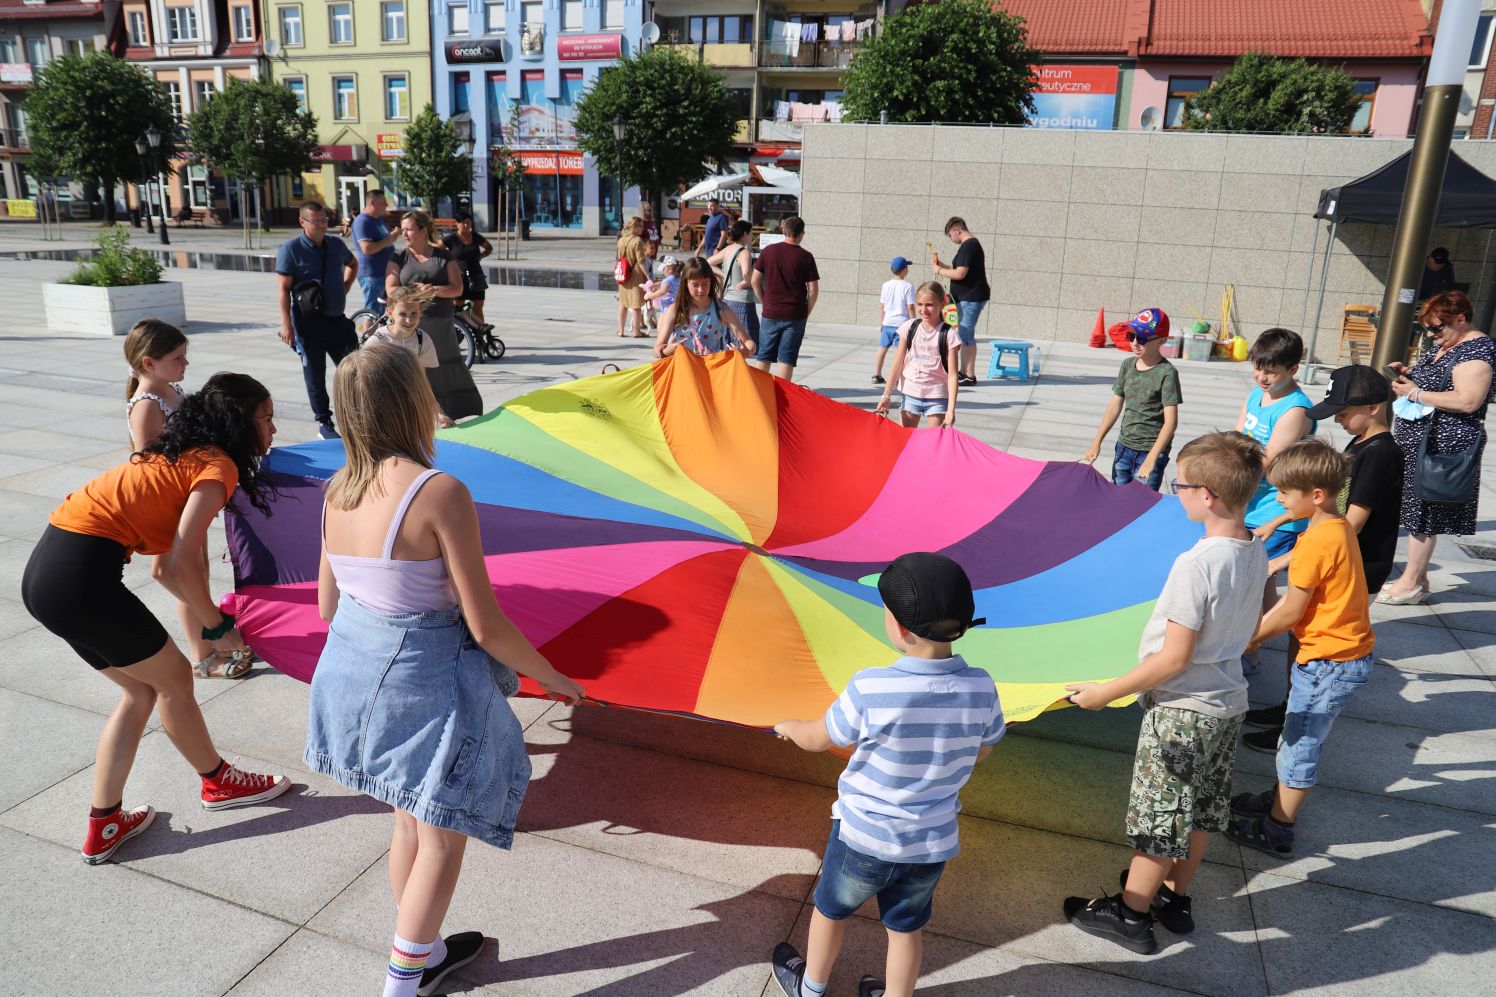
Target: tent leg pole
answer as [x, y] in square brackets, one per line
[1324, 276]
[1309, 276]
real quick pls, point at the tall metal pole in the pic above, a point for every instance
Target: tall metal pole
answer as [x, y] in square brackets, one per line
[1420, 206]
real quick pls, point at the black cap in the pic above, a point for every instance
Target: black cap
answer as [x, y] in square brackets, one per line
[1357, 384]
[925, 590]
[1439, 254]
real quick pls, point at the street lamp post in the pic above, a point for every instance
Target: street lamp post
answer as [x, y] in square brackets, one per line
[620, 125]
[471, 145]
[143, 189]
[153, 136]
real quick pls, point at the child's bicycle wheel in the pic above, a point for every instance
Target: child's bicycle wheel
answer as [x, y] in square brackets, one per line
[494, 349]
[365, 322]
[466, 347]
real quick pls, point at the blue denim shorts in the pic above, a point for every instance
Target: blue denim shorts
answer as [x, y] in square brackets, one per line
[969, 312]
[888, 337]
[849, 878]
[1126, 461]
[410, 710]
[1317, 692]
[925, 406]
[779, 340]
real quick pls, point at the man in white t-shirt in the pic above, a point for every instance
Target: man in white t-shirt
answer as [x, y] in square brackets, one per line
[895, 307]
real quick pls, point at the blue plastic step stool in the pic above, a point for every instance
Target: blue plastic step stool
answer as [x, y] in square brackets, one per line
[1010, 359]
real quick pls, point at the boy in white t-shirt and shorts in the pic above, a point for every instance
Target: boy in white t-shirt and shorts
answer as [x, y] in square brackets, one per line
[895, 307]
[926, 373]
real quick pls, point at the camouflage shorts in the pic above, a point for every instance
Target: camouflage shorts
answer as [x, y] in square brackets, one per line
[1181, 779]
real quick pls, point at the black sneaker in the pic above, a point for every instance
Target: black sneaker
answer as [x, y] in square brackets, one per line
[1104, 919]
[326, 431]
[462, 948]
[1252, 804]
[1172, 910]
[1262, 833]
[879, 379]
[965, 381]
[1268, 716]
[1265, 741]
[870, 986]
[789, 968]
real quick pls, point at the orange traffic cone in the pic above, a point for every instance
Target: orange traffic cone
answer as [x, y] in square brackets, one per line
[1098, 334]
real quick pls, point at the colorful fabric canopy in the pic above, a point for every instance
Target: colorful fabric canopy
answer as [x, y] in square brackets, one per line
[697, 537]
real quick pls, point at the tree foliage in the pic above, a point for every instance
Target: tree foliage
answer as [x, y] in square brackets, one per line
[678, 115]
[959, 61]
[1260, 93]
[434, 165]
[86, 113]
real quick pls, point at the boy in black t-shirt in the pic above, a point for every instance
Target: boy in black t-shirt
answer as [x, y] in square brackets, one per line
[1371, 501]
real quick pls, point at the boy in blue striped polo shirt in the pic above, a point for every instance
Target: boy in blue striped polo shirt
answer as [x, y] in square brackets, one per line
[918, 727]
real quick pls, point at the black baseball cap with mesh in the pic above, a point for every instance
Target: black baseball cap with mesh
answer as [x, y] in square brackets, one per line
[930, 596]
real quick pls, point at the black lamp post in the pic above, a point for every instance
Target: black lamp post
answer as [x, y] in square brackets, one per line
[619, 126]
[143, 189]
[471, 145]
[153, 136]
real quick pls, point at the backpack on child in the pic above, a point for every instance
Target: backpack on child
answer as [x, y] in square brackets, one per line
[942, 339]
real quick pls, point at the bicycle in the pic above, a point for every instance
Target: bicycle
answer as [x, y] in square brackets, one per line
[487, 345]
[367, 321]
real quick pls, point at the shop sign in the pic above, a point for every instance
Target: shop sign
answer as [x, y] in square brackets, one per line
[336, 154]
[475, 50]
[551, 162]
[389, 145]
[1075, 97]
[20, 209]
[15, 72]
[583, 48]
[730, 197]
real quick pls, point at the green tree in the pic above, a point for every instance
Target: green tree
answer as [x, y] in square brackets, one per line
[1260, 93]
[434, 165]
[253, 130]
[85, 114]
[959, 61]
[678, 114]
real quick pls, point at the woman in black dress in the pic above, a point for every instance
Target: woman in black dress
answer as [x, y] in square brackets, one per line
[420, 262]
[468, 248]
[1454, 379]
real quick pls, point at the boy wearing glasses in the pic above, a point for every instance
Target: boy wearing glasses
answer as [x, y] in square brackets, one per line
[1146, 397]
[1190, 685]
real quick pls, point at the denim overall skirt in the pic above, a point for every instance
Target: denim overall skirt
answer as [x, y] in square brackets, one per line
[410, 710]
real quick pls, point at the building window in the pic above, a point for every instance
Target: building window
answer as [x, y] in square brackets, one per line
[138, 36]
[202, 91]
[460, 100]
[392, 19]
[457, 18]
[533, 12]
[571, 15]
[340, 21]
[297, 86]
[612, 15]
[181, 24]
[37, 52]
[397, 98]
[244, 24]
[290, 22]
[1181, 89]
[498, 103]
[730, 29]
[1366, 90]
[174, 93]
[493, 17]
[344, 98]
[198, 189]
[1481, 49]
[8, 50]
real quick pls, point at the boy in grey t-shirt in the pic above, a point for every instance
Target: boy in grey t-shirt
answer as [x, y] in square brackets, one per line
[1190, 685]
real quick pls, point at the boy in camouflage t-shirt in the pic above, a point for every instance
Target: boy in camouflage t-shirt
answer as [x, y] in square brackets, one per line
[1146, 397]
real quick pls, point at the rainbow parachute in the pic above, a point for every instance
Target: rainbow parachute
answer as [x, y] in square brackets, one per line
[697, 537]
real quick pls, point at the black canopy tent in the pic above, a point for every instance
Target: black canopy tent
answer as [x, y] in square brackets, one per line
[1467, 200]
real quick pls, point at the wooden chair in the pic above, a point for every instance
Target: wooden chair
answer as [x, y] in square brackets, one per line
[1357, 334]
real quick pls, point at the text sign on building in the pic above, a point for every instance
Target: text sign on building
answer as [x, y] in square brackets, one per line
[1077, 97]
[389, 145]
[565, 163]
[15, 72]
[581, 48]
[475, 50]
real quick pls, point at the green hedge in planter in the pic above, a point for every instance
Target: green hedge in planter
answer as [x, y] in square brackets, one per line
[116, 264]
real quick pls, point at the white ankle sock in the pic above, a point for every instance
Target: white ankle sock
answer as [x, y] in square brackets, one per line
[438, 951]
[408, 961]
[810, 988]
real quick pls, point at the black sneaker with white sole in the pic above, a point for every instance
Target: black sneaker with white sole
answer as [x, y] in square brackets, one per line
[789, 968]
[1104, 918]
[462, 948]
[870, 986]
[1170, 909]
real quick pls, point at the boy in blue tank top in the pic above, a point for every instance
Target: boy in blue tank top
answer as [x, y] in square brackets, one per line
[1276, 415]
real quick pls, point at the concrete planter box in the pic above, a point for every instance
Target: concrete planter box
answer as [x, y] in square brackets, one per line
[111, 310]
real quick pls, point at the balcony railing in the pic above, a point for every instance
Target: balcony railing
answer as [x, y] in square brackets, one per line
[780, 131]
[723, 55]
[810, 55]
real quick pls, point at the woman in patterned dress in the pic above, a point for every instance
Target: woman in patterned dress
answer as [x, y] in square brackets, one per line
[1454, 379]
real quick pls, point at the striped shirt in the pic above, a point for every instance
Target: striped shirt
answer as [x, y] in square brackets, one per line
[917, 726]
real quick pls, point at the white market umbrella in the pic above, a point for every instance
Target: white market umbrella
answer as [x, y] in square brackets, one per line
[713, 184]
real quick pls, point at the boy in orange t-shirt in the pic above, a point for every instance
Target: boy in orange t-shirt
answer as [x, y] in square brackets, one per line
[1328, 610]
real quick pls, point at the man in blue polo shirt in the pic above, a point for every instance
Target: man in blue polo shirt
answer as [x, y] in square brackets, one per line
[918, 727]
[373, 244]
[715, 234]
[314, 272]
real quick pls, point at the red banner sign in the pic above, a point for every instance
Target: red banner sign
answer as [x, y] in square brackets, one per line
[581, 48]
[336, 154]
[551, 162]
[1076, 79]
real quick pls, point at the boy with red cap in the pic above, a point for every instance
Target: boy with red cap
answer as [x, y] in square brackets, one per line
[1146, 397]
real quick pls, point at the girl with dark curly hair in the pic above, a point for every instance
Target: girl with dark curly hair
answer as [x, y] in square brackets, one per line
[161, 502]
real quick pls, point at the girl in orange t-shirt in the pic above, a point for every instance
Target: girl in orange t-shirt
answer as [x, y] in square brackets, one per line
[160, 501]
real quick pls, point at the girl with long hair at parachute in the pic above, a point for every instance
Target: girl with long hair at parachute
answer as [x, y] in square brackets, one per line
[697, 319]
[409, 697]
[160, 501]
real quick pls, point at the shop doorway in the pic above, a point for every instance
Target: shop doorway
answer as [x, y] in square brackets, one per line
[351, 195]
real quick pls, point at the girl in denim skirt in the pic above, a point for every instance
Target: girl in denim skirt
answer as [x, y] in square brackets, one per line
[409, 697]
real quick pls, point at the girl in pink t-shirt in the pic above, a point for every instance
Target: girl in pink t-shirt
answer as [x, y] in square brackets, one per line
[926, 379]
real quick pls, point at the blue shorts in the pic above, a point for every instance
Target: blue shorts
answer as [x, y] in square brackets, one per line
[779, 340]
[1317, 692]
[1280, 543]
[888, 337]
[1126, 462]
[969, 312]
[849, 878]
[925, 406]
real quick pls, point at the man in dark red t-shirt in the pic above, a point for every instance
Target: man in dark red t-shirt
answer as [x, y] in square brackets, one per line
[785, 279]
